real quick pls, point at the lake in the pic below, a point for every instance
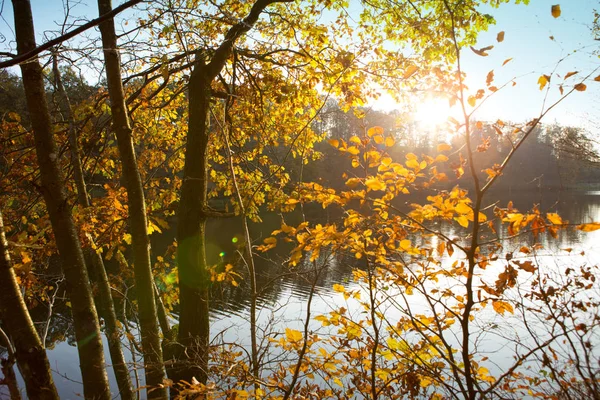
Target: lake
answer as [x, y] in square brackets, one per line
[284, 292]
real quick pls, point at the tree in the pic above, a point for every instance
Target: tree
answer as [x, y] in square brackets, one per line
[29, 350]
[53, 189]
[153, 360]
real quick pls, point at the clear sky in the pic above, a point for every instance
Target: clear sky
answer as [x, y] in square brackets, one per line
[527, 41]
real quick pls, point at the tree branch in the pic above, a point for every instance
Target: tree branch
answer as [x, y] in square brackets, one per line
[34, 52]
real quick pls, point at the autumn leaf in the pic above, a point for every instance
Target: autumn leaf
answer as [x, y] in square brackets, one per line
[570, 74]
[554, 218]
[462, 221]
[443, 147]
[597, 79]
[543, 81]
[580, 87]
[472, 101]
[353, 150]
[462, 208]
[293, 335]
[389, 141]
[556, 10]
[490, 78]
[483, 51]
[506, 61]
[374, 183]
[410, 71]
[376, 130]
[526, 266]
[500, 36]
[339, 288]
[592, 226]
[501, 307]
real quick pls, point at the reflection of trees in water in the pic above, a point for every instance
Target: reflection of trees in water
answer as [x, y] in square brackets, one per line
[276, 280]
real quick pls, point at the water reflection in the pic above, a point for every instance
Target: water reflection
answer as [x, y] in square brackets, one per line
[283, 291]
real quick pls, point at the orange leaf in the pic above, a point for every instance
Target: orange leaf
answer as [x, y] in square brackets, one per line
[501, 307]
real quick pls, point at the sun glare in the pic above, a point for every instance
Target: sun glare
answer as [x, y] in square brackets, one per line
[432, 112]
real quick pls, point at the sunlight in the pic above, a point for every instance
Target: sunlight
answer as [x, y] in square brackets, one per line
[432, 112]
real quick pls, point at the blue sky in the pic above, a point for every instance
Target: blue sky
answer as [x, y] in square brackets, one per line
[527, 41]
[528, 31]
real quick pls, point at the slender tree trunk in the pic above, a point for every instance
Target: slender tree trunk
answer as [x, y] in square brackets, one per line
[153, 360]
[85, 318]
[29, 350]
[94, 261]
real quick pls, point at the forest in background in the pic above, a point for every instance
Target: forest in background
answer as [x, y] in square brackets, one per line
[242, 110]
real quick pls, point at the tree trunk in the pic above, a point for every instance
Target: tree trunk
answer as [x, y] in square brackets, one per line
[29, 350]
[85, 318]
[153, 361]
[93, 260]
[194, 278]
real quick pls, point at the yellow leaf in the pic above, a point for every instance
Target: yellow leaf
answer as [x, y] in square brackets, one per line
[127, 238]
[374, 183]
[543, 81]
[270, 240]
[414, 164]
[293, 335]
[500, 36]
[405, 244]
[389, 141]
[554, 218]
[556, 10]
[378, 139]
[354, 139]
[376, 130]
[441, 158]
[472, 101]
[462, 208]
[353, 150]
[338, 381]
[339, 288]
[580, 87]
[355, 163]
[593, 226]
[334, 142]
[506, 61]
[443, 147]
[352, 182]
[462, 221]
[501, 307]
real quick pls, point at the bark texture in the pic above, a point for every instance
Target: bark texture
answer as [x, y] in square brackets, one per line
[29, 351]
[85, 318]
[153, 361]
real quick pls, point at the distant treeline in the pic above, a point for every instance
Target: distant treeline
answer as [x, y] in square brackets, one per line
[553, 157]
